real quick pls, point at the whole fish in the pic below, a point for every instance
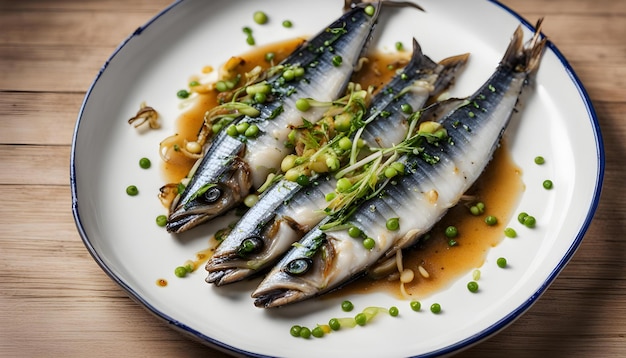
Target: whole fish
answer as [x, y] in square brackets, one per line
[287, 210]
[437, 174]
[234, 164]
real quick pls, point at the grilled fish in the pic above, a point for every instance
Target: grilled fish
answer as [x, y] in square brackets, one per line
[437, 175]
[234, 164]
[287, 210]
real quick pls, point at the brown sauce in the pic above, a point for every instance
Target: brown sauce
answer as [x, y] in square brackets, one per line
[499, 188]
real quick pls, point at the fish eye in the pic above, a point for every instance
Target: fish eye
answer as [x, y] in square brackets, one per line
[212, 194]
[250, 245]
[299, 266]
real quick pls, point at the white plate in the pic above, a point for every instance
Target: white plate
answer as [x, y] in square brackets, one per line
[558, 123]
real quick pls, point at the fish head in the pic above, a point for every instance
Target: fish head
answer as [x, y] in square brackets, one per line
[214, 197]
[248, 249]
[303, 273]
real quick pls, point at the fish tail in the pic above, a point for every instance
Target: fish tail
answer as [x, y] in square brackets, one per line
[524, 57]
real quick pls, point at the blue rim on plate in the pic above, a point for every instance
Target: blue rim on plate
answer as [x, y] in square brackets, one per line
[479, 336]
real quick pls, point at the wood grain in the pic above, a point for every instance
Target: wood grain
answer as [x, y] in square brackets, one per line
[56, 301]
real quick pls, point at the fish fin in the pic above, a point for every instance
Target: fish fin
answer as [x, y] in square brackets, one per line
[524, 57]
[449, 69]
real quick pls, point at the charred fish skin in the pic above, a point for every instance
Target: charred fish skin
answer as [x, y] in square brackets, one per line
[232, 165]
[436, 179]
[287, 210]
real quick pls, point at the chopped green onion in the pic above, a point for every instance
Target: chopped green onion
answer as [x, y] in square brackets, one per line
[182, 94]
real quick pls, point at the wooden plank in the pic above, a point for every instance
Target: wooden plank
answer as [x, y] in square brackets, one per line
[26, 165]
[42, 118]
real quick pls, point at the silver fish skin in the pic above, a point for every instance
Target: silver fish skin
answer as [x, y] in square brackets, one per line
[234, 165]
[287, 210]
[434, 182]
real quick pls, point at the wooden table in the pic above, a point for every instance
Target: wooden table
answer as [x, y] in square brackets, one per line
[55, 300]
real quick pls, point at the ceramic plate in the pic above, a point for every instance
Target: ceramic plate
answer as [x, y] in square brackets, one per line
[156, 61]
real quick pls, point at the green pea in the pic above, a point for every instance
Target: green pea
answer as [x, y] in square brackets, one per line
[530, 221]
[250, 40]
[354, 232]
[337, 60]
[393, 224]
[305, 332]
[161, 220]
[474, 210]
[232, 130]
[370, 10]
[334, 324]
[295, 330]
[269, 57]
[390, 172]
[242, 127]
[287, 24]
[510, 232]
[260, 97]
[415, 305]
[451, 231]
[251, 131]
[317, 332]
[345, 143]
[289, 75]
[539, 160]
[298, 71]
[216, 128]
[393, 311]
[303, 180]
[347, 306]
[399, 46]
[180, 271]
[182, 94]
[221, 86]
[369, 243]
[343, 185]
[481, 206]
[521, 217]
[303, 104]
[435, 308]
[472, 286]
[330, 196]
[144, 163]
[132, 190]
[399, 167]
[260, 17]
[491, 220]
[501, 262]
[406, 108]
[246, 30]
[194, 83]
[547, 184]
[360, 319]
